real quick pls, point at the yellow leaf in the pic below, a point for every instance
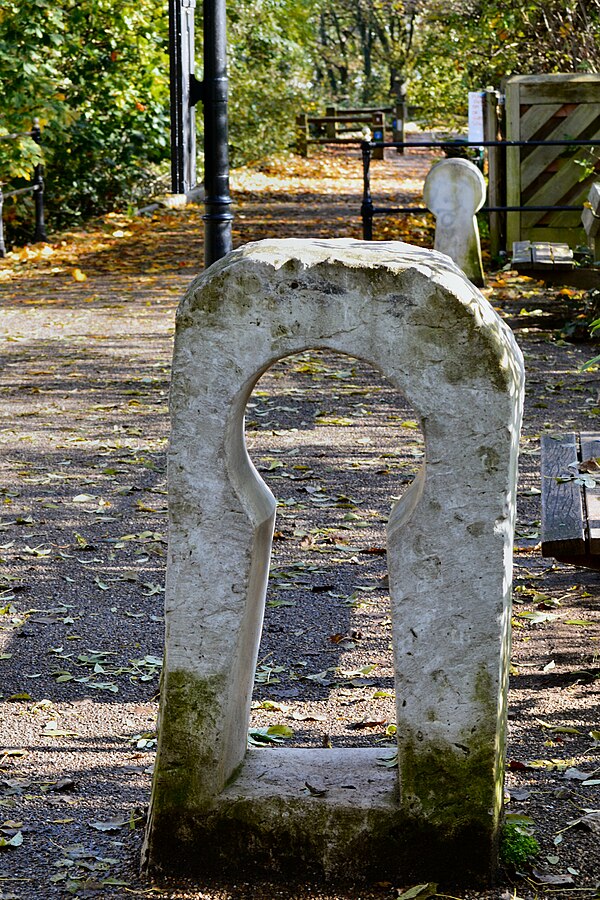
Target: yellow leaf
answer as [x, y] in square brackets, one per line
[78, 275]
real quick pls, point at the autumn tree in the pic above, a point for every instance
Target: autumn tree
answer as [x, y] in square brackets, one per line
[464, 45]
[95, 72]
[270, 73]
[364, 47]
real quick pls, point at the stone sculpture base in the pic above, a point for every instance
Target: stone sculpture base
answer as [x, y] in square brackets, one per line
[347, 826]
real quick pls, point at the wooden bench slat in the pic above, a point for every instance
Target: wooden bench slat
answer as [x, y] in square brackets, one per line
[548, 255]
[562, 255]
[563, 531]
[541, 255]
[521, 253]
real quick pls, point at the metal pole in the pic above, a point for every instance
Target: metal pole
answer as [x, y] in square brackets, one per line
[38, 188]
[366, 209]
[2, 244]
[177, 102]
[218, 215]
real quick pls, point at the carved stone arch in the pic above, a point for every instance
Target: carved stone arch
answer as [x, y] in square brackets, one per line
[413, 315]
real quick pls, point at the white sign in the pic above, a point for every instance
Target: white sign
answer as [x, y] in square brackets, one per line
[476, 116]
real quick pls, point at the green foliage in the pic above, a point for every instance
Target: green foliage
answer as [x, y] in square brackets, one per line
[95, 73]
[363, 48]
[114, 76]
[594, 328]
[466, 45]
[517, 845]
[269, 74]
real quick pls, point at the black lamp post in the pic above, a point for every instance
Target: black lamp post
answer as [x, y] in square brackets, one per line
[217, 203]
[186, 91]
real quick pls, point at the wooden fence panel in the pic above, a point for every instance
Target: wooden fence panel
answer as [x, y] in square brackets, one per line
[550, 107]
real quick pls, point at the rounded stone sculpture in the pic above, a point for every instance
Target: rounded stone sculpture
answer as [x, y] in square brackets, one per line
[455, 191]
[217, 806]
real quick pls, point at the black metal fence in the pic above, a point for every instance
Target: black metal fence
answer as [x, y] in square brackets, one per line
[368, 209]
[36, 188]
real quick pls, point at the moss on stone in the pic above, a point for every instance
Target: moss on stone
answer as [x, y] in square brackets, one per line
[451, 785]
[305, 838]
[185, 763]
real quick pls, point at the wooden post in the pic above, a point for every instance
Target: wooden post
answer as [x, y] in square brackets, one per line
[331, 127]
[40, 233]
[490, 124]
[513, 161]
[378, 133]
[302, 134]
[399, 122]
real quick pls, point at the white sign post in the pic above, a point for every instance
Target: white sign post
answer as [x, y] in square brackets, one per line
[476, 133]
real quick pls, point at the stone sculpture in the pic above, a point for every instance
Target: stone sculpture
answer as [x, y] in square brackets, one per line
[218, 807]
[454, 191]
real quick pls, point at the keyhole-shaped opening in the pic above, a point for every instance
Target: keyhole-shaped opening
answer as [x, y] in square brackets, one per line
[337, 445]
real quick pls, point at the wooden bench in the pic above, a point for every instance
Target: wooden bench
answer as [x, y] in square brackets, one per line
[570, 508]
[541, 256]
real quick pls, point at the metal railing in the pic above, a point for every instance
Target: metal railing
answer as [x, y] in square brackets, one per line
[36, 188]
[368, 210]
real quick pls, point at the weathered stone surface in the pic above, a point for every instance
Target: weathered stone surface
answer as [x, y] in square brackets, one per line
[454, 191]
[590, 218]
[412, 314]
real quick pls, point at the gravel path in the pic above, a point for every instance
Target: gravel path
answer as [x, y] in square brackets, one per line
[85, 341]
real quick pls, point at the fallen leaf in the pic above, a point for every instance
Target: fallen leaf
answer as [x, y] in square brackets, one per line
[590, 821]
[110, 825]
[15, 841]
[367, 723]
[51, 729]
[574, 774]
[308, 717]
[548, 878]
[558, 729]
[419, 892]
[275, 734]
[536, 617]
[63, 785]
[271, 705]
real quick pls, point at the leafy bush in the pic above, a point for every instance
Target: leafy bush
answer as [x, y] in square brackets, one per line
[95, 73]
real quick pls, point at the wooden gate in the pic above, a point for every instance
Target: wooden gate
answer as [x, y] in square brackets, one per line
[550, 107]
